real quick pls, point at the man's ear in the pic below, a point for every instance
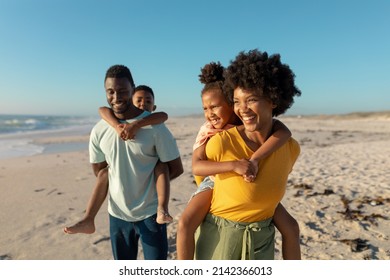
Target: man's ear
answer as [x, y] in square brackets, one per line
[154, 108]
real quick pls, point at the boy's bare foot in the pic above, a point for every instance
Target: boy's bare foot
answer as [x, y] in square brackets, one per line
[163, 217]
[84, 226]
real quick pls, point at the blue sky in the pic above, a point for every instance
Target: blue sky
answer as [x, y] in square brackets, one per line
[54, 53]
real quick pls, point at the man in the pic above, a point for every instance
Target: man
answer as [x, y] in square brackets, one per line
[132, 202]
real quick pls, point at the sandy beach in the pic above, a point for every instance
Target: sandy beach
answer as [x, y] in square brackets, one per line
[339, 192]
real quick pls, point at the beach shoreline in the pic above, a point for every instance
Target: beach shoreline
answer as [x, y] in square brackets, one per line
[339, 192]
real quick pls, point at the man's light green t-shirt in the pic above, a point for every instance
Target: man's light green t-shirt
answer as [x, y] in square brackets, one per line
[132, 188]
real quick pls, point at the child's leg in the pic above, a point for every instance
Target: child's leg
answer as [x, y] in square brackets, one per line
[289, 229]
[192, 217]
[161, 173]
[87, 224]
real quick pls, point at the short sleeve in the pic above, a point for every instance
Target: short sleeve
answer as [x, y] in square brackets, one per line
[214, 148]
[166, 146]
[96, 155]
[295, 150]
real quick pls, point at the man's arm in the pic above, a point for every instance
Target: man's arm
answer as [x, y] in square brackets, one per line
[96, 167]
[175, 168]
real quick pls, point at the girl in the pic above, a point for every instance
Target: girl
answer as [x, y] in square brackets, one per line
[220, 116]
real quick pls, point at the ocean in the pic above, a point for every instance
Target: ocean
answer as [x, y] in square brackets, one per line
[18, 132]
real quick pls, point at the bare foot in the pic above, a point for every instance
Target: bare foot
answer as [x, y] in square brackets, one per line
[86, 226]
[163, 217]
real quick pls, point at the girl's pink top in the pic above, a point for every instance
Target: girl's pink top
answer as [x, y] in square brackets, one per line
[206, 131]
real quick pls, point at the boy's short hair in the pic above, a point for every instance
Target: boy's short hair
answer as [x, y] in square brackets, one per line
[119, 71]
[144, 88]
[266, 75]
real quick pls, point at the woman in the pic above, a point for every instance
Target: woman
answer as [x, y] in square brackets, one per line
[239, 224]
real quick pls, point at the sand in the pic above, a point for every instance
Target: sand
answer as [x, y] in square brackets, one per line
[339, 192]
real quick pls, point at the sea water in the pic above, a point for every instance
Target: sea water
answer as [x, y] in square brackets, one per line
[18, 132]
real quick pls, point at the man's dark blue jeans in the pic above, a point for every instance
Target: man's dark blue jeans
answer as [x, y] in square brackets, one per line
[125, 236]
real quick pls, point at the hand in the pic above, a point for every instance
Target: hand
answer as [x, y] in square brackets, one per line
[243, 167]
[119, 129]
[250, 177]
[129, 130]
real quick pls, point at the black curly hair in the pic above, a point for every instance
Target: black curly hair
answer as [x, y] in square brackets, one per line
[144, 88]
[119, 71]
[266, 75]
[212, 76]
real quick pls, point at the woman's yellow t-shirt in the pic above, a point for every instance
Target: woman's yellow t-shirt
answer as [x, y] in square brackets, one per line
[237, 200]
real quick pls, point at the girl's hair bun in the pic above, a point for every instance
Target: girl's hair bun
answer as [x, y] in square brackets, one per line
[212, 72]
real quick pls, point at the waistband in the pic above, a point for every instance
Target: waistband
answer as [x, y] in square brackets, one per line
[248, 246]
